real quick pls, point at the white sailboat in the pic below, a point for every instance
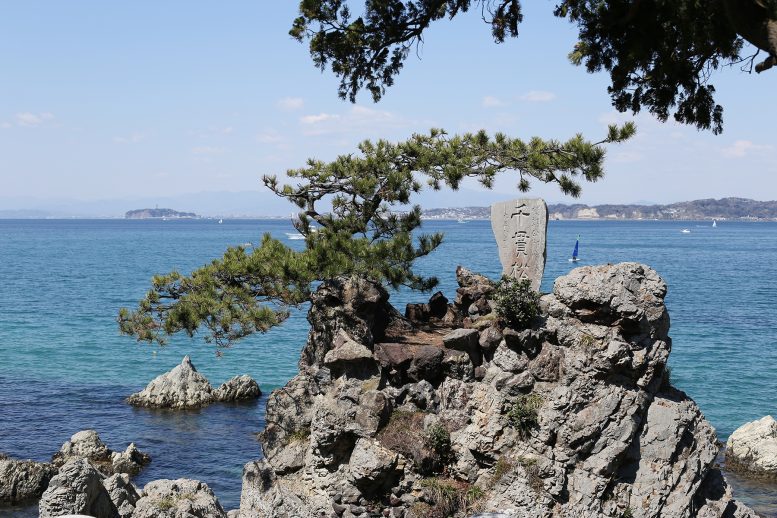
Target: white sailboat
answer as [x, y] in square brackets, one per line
[221, 221]
[714, 223]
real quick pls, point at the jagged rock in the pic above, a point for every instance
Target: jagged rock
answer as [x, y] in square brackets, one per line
[77, 489]
[435, 309]
[182, 387]
[23, 480]
[465, 340]
[130, 461]
[752, 448]
[85, 444]
[182, 498]
[373, 468]
[351, 358]
[473, 288]
[239, 388]
[123, 494]
[569, 418]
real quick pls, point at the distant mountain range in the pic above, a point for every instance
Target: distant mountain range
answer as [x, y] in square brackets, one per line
[159, 213]
[723, 209]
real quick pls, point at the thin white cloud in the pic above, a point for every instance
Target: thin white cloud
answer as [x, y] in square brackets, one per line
[742, 148]
[490, 101]
[538, 96]
[5, 125]
[291, 103]
[269, 137]
[31, 120]
[130, 139]
[316, 119]
[208, 150]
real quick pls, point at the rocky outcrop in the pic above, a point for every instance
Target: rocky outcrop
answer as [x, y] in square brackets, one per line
[572, 417]
[752, 449]
[23, 480]
[239, 388]
[130, 461]
[77, 489]
[180, 498]
[87, 444]
[183, 388]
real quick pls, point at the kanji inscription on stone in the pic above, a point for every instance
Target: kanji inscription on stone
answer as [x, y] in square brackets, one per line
[520, 227]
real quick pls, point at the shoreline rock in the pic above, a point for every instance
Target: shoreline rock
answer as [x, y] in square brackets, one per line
[569, 418]
[184, 388]
[87, 444]
[23, 481]
[752, 449]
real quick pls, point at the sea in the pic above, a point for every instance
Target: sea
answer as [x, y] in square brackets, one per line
[64, 367]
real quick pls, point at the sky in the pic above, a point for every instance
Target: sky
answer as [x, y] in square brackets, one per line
[150, 101]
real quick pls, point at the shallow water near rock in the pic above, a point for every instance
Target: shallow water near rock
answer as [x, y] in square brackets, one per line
[64, 367]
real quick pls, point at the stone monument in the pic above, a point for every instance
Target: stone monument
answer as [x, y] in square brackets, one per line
[520, 227]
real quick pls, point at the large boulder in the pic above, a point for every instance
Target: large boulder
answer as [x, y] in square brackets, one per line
[77, 489]
[752, 449]
[182, 387]
[182, 498]
[23, 480]
[239, 388]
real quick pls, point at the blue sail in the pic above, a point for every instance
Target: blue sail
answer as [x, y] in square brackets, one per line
[577, 245]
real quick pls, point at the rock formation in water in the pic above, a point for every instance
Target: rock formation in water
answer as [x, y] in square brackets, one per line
[23, 480]
[752, 449]
[183, 387]
[87, 444]
[451, 414]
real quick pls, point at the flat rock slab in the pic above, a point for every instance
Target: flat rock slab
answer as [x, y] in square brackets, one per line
[520, 227]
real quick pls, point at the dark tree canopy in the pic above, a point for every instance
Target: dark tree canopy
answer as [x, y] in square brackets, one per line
[659, 53]
[355, 219]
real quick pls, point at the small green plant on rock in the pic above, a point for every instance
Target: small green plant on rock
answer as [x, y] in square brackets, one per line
[439, 440]
[450, 496]
[627, 513]
[523, 415]
[517, 304]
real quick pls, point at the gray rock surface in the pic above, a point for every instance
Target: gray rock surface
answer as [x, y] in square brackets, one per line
[180, 498]
[87, 444]
[23, 480]
[122, 493]
[77, 489]
[182, 387]
[520, 227]
[130, 461]
[752, 449]
[571, 418]
[239, 388]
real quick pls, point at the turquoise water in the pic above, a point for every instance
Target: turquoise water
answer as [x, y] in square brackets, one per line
[64, 367]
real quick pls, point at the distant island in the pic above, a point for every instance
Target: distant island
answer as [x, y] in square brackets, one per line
[159, 213]
[723, 209]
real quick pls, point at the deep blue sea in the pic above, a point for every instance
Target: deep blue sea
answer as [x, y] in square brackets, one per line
[64, 367]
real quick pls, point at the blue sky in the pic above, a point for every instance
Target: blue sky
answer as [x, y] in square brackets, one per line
[114, 100]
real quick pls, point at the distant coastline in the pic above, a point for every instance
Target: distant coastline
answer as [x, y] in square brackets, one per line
[738, 209]
[159, 214]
